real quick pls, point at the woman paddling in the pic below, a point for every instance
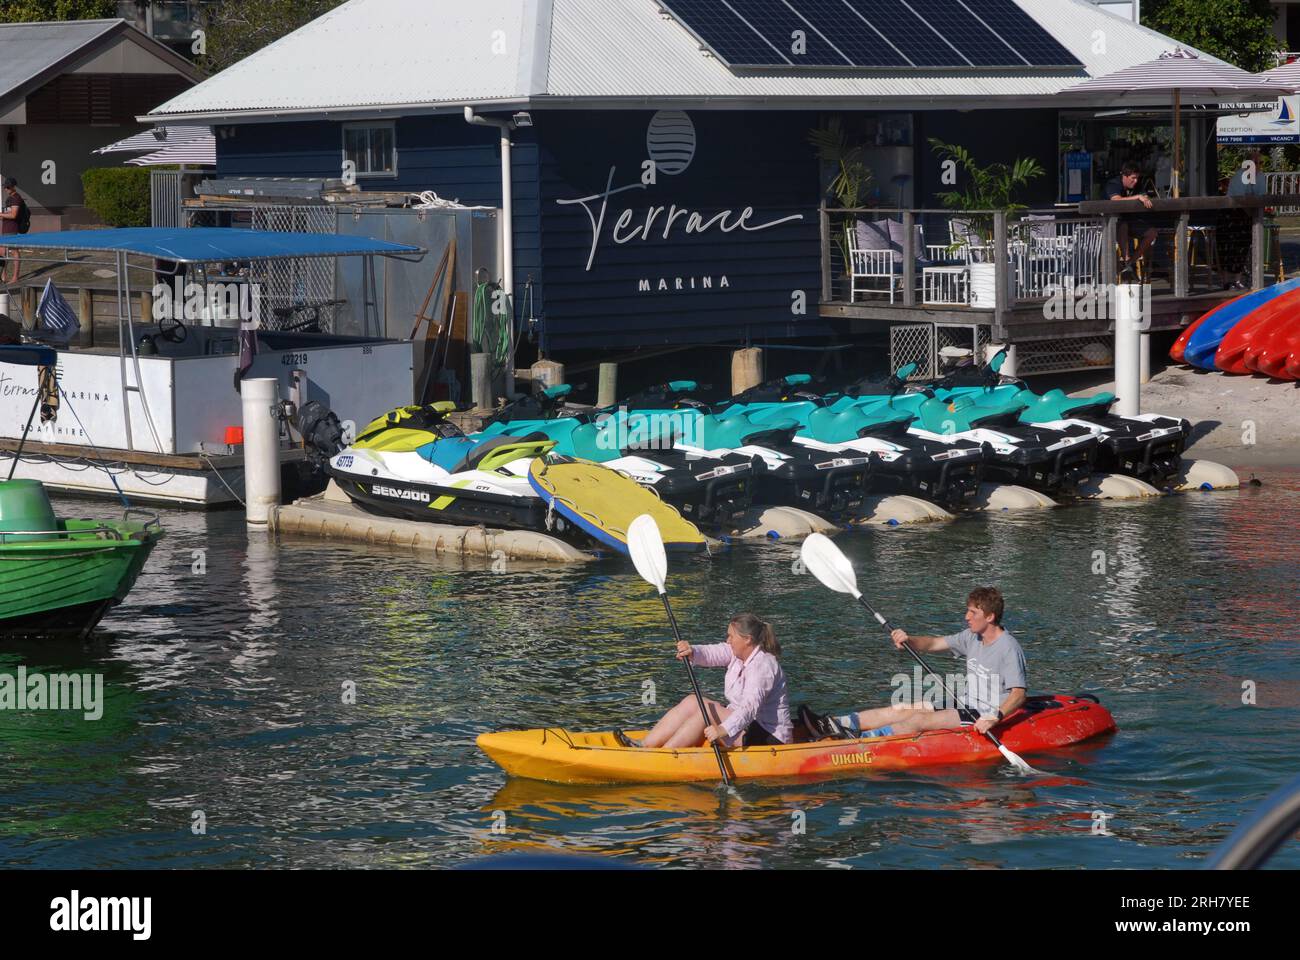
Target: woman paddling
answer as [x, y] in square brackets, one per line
[757, 710]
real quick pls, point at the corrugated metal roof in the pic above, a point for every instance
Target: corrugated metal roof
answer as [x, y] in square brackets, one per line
[28, 49]
[640, 53]
[379, 53]
[374, 53]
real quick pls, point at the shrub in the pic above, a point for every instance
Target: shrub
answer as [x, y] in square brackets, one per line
[118, 195]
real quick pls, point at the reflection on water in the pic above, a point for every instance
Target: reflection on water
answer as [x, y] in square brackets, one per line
[319, 703]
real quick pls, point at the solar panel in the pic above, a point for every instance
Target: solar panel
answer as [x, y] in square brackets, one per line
[723, 31]
[967, 33]
[870, 34]
[784, 28]
[918, 41]
[1017, 28]
[856, 36]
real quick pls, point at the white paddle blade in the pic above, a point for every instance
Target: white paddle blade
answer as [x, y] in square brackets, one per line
[646, 545]
[828, 564]
[1018, 761]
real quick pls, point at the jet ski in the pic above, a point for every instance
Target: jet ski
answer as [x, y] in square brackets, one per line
[830, 483]
[713, 490]
[945, 473]
[1054, 461]
[1146, 446]
[416, 464]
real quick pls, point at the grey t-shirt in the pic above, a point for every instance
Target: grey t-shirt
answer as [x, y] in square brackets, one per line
[991, 671]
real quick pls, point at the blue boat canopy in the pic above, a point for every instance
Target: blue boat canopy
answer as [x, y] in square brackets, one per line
[213, 244]
[29, 355]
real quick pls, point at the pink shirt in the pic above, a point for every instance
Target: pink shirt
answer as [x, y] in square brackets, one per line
[755, 690]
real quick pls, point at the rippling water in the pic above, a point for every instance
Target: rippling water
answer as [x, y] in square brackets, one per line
[224, 692]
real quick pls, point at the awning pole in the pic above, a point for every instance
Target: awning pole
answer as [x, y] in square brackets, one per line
[1178, 144]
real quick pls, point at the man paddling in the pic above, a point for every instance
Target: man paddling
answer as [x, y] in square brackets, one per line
[995, 680]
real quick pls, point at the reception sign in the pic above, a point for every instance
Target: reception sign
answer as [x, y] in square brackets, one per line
[1268, 122]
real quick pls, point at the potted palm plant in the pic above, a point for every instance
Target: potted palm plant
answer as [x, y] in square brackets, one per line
[991, 188]
[851, 180]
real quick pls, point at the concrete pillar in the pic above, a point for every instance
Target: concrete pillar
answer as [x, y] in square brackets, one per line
[1128, 344]
[746, 369]
[607, 391]
[261, 450]
[1144, 359]
[480, 379]
[547, 373]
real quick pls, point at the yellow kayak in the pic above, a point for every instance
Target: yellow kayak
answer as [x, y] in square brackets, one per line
[602, 503]
[561, 756]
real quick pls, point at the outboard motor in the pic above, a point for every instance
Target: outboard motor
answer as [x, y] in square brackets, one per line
[322, 434]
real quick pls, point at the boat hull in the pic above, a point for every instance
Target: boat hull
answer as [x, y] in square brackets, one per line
[560, 756]
[66, 586]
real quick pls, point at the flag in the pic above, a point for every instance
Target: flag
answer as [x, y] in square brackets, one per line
[58, 320]
[247, 352]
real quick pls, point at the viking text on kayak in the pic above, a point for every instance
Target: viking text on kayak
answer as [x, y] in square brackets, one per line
[76, 913]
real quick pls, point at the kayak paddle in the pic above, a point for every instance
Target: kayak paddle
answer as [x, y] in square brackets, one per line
[648, 556]
[829, 565]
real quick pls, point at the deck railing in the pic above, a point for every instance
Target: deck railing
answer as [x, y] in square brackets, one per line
[993, 260]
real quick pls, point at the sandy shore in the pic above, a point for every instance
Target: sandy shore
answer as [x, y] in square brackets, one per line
[1241, 421]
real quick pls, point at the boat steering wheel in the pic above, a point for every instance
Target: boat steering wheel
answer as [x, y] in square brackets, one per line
[173, 331]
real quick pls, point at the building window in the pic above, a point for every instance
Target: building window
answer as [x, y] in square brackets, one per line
[371, 149]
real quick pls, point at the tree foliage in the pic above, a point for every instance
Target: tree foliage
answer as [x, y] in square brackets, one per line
[36, 11]
[990, 187]
[1238, 31]
[118, 195]
[234, 29]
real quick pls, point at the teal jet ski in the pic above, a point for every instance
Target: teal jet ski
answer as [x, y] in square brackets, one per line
[1051, 460]
[946, 473]
[784, 473]
[1147, 446]
[713, 491]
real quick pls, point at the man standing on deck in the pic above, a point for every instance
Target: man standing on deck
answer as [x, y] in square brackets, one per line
[995, 680]
[1125, 188]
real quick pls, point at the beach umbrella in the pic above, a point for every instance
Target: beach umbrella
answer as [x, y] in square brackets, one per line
[159, 138]
[1179, 74]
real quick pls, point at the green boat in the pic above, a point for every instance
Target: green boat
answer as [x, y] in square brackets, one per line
[61, 576]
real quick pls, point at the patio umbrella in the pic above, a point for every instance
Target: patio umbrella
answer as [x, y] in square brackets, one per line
[1287, 75]
[158, 138]
[1176, 73]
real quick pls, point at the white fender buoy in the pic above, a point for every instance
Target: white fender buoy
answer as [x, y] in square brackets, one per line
[781, 523]
[1114, 486]
[1205, 475]
[994, 497]
[899, 509]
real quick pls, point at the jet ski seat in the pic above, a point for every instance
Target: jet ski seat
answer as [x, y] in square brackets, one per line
[1055, 405]
[828, 426]
[457, 455]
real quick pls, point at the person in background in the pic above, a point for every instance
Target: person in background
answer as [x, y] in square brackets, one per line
[1125, 188]
[1234, 225]
[11, 208]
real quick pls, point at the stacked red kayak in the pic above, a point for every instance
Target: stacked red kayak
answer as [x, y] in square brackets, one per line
[1258, 332]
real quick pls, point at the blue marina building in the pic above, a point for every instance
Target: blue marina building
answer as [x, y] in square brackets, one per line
[663, 185]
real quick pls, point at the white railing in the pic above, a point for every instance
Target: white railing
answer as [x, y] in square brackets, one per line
[1287, 184]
